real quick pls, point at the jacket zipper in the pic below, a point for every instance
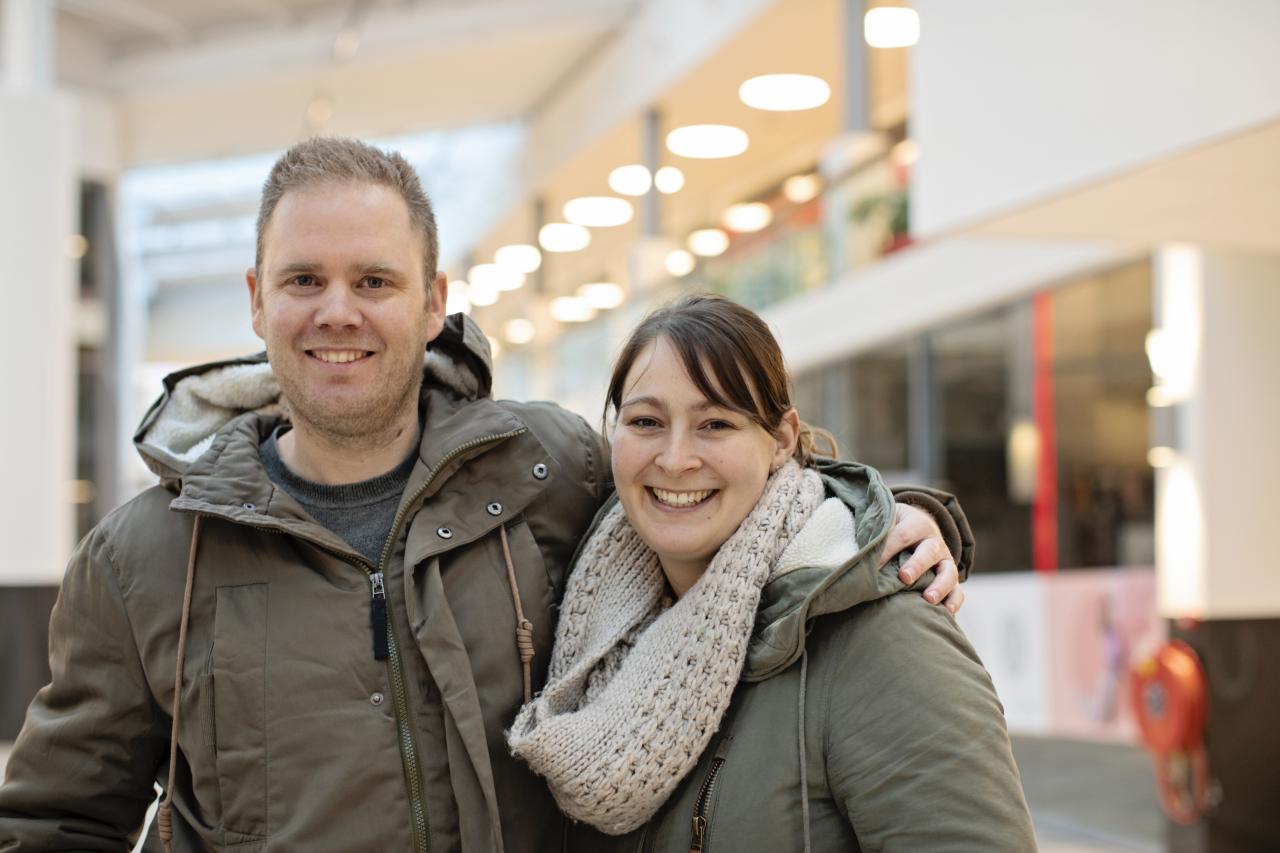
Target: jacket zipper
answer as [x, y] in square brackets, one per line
[378, 595]
[698, 838]
[399, 693]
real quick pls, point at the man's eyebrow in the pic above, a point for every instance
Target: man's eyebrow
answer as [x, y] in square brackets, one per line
[297, 267]
[310, 267]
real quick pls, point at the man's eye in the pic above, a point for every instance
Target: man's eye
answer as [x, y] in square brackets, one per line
[303, 280]
[374, 283]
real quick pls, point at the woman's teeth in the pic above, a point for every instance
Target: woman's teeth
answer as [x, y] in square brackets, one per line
[681, 498]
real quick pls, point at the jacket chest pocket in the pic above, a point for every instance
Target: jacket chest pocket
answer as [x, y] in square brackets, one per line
[239, 682]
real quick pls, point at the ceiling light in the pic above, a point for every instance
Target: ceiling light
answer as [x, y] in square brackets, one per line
[707, 141]
[748, 218]
[708, 242]
[905, 153]
[77, 245]
[602, 294]
[482, 294]
[680, 263]
[571, 309]
[891, 27]
[563, 237]
[518, 331]
[802, 188]
[598, 211]
[319, 111]
[457, 301]
[520, 257]
[1161, 457]
[785, 92]
[668, 180]
[630, 180]
[495, 277]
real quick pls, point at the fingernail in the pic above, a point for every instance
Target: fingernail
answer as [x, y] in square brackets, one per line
[931, 597]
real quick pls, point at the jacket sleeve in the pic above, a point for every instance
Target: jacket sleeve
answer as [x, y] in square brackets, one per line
[81, 772]
[918, 757]
[950, 518]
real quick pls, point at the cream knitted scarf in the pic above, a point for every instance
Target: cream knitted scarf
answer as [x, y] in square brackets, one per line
[638, 684]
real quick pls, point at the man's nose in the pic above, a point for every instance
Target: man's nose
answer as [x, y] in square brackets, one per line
[338, 307]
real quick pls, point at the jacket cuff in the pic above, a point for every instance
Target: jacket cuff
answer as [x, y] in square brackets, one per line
[949, 517]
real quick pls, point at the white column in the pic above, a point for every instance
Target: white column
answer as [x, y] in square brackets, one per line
[37, 215]
[1218, 348]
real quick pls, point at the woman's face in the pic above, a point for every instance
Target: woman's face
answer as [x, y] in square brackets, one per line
[687, 471]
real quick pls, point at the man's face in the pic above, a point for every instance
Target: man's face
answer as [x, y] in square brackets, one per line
[341, 303]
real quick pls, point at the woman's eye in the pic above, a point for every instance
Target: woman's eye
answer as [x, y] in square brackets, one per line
[643, 423]
[718, 425]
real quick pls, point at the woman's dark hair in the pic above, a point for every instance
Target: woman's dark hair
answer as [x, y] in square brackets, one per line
[731, 357]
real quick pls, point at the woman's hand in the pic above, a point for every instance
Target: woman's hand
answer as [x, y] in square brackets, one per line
[913, 528]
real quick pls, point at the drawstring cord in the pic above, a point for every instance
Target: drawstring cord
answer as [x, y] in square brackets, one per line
[524, 628]
[164, 817]
[804, 762]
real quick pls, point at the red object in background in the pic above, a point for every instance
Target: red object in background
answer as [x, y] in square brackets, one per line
[1044, 506]
[1171, 702]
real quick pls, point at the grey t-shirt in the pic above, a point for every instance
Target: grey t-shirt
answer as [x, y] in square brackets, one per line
[361, 513]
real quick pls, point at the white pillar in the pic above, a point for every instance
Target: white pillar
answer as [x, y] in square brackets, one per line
[1218, 347]
[37, 215]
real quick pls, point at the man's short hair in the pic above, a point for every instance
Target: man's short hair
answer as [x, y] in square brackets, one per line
[323, 160]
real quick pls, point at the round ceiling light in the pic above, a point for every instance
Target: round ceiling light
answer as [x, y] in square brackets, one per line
[563, 237]
[708, 242]
[630, 180]
[802, 188]
[520, 257]
[707, 141]
[599, 211]
[518, 331]
[571, 309]
[748, 218]
[785, 92]
[498, 278]
[680, 263]
[482, 294]
[457, 301]
[891, 26]
[602, 294]
[668, 180]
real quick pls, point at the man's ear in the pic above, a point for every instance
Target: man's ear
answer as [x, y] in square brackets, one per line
[437, 297]
[786, 436]
[255, 300]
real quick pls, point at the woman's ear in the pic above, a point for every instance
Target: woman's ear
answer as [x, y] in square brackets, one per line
[787, 436]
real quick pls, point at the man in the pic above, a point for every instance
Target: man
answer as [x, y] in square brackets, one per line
[313, 632]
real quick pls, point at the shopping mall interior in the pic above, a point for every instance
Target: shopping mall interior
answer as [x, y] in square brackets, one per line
[1028, 253]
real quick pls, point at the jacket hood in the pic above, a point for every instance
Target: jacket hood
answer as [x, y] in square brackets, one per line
[831, 566]
[198, 402]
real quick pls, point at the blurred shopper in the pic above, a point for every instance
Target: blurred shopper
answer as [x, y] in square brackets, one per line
[732, 665]
[305, 633]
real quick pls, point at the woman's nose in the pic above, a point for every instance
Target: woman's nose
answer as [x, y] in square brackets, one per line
[678, 454]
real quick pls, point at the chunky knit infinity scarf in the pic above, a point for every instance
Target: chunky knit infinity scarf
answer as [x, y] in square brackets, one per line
[638, 684]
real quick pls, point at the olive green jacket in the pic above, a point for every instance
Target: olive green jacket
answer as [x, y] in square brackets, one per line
[882, 698]
[293, 736]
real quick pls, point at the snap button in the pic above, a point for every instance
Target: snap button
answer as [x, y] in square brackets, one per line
[540, 471]
[249, 506]
[444, 533]
[494, 508]
[376, 699]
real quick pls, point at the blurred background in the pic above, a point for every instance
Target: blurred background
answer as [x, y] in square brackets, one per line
[1026, 252]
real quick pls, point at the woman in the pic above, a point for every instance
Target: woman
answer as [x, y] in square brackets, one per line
[731, 668]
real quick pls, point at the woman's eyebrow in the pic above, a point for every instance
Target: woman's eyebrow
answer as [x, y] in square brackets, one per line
[655, 402]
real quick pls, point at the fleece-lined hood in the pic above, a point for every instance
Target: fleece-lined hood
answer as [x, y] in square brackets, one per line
[200, 401]
[832, 566]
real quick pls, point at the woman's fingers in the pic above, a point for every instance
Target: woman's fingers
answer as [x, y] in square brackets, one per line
[911, 526]
[946, 582]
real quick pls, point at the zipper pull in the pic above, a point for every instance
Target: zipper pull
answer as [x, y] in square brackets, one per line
[378, 615]
[699, 836]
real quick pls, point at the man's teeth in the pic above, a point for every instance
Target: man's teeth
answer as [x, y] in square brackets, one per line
[681, 498]
[339, 356]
